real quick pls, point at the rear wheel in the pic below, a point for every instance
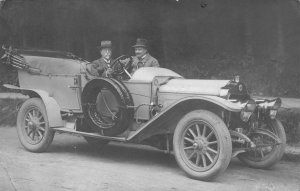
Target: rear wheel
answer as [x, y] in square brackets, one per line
[267, 151]
[33, 126]
[202, 145]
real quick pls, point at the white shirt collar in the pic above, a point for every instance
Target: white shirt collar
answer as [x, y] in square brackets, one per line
[107, 61]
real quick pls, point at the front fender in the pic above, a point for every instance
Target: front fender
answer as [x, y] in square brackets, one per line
[166, 121]
[52, 108]
[221, 102]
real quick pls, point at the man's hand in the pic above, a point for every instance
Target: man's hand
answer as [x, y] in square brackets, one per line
[125, 61]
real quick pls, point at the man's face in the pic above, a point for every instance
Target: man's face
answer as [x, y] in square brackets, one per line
[106, 53]
[140, 51]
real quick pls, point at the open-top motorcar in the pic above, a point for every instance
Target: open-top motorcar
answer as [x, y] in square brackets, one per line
[204, 123]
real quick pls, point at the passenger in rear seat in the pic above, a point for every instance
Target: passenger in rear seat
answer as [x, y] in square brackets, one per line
[102, 66]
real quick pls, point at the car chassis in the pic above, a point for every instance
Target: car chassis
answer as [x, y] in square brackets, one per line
[203, 122]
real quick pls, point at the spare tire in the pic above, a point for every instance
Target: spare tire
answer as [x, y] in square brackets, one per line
[127, 96]
[105, 106]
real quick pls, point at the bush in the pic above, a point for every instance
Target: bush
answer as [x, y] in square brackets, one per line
[8, 111]
[8, 75]
[290, 119]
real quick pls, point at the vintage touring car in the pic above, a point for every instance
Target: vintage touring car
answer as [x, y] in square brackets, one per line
[204, 123]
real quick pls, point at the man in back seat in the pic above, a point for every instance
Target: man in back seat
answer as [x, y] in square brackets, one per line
[102, 66]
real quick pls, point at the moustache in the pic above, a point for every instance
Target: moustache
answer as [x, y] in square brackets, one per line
[107, 55]
[139, 53]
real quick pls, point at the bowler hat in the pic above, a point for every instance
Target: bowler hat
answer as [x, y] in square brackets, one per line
[140, 42]
[105, 44]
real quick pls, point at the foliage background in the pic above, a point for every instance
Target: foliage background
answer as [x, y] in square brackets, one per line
[259, 40]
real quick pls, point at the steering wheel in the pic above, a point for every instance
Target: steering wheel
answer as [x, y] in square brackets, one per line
[122, 65]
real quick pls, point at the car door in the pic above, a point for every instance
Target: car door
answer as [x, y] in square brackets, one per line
[65, 89]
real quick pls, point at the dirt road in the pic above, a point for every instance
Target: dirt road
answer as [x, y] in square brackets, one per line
[71, 164]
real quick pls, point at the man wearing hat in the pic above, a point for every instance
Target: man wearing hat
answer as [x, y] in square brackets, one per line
[142, 57]
[101, 67]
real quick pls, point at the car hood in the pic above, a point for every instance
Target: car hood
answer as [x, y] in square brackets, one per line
[202, 87]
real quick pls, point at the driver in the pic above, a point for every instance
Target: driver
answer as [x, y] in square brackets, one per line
[102, 66]
[142, 57]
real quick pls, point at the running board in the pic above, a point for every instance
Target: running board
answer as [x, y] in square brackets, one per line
[95, 135]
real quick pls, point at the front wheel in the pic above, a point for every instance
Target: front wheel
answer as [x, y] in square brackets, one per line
[267, 152]
[33, 126]
[202, 145]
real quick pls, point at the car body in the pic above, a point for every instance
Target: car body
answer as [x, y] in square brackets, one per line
[203, 122]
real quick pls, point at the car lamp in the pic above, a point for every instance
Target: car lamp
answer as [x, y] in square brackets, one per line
[248, 109]
[277, 104]
[273, 113]
[274, 108]
[271, 106]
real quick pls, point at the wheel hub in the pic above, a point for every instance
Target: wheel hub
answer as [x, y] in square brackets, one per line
[195, 145]
[30, 124]
[33, 124]
[200, 144]
[34, 128]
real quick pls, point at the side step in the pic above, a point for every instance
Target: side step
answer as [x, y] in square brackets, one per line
[95, 135]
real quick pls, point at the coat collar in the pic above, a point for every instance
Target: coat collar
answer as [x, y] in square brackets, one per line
[106, 61]
[144, 57]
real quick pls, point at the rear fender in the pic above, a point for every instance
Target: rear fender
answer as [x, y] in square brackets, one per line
[165, 122]
[52, 108]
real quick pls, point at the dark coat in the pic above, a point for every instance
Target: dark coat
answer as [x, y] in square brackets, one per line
[98, 67]
[147, 61]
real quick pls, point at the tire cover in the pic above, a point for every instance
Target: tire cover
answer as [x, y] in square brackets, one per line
[104, 103]
[128, 97]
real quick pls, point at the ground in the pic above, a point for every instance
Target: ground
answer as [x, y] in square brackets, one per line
[71, 164]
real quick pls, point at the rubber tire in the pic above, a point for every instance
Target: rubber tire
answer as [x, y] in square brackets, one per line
[91, 89]
[225, 144]
[129, 100]
[275, 156]
[49, 133]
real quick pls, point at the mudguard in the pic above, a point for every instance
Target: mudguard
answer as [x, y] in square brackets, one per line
[166, 121]
[226, 104]
[52, 108]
